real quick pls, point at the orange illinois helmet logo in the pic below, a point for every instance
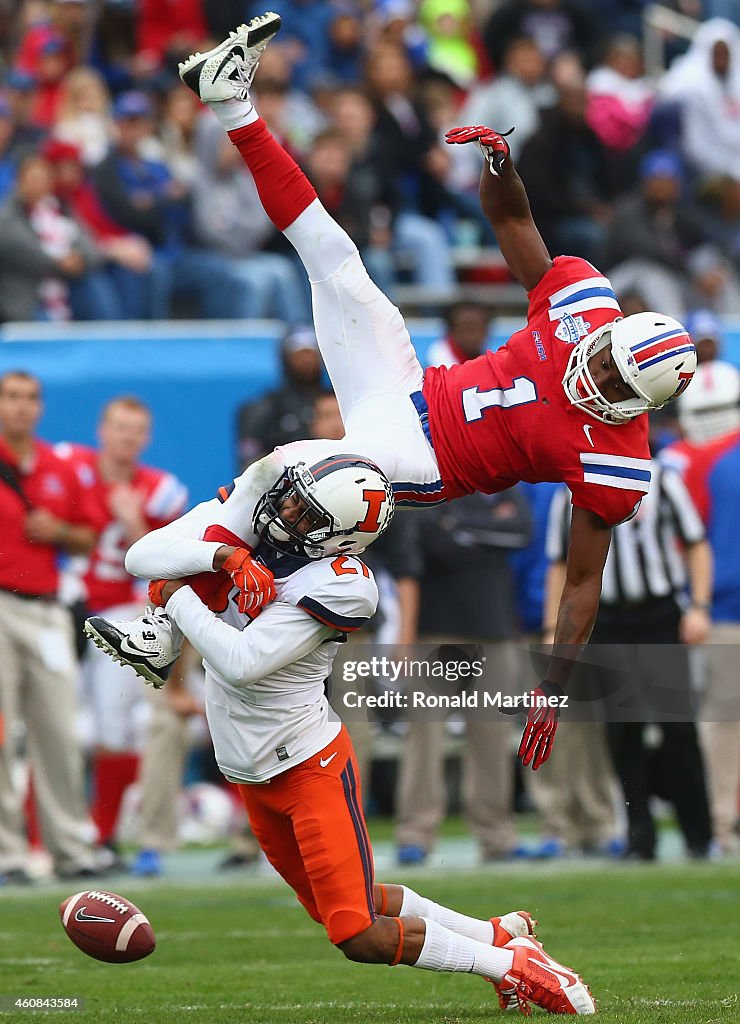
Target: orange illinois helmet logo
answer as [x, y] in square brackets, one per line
[371, 522]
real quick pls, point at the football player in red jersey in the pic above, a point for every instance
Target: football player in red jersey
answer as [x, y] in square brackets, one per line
[561, 401]
[129, 500]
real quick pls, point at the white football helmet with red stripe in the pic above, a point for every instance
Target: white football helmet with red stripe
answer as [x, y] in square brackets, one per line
[347, 503]
[654, 355]
[712, 407]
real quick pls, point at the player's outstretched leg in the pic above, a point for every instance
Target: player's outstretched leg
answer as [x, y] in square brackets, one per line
[221, 78]
[521, 967]
[400, 901]
[362, 337]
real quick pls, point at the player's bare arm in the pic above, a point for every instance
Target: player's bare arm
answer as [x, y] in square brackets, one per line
[579, 601]
[504, 202]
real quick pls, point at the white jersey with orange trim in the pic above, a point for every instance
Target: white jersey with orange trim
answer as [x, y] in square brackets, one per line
[265, 698]
[265, 678]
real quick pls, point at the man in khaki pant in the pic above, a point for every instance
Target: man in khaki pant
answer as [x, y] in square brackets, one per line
[465, 548]
[43, 511]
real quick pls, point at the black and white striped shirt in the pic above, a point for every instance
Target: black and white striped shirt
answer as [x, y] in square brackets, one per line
[645, 560]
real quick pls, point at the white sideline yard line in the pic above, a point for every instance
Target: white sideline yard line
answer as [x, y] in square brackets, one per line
[677, 1004]
[321, 1005]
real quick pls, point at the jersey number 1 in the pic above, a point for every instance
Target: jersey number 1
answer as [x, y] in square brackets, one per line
[475, 402]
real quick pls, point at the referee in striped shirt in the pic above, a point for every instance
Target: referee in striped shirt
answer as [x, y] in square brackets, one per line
[655, 600]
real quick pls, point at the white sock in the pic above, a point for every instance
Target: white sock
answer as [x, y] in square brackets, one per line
[443, 950]
[320, 242]
[234, 113]
[414, 905]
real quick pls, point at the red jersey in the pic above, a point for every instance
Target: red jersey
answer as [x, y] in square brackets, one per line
[505, 416]
[51, 484]
[105, 579]
[696, 463]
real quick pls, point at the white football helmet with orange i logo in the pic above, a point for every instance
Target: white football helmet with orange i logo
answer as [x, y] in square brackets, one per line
[347, 504]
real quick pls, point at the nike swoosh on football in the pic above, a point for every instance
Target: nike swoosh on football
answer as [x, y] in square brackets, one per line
[82, 916]
[324, 763]
[587, 428]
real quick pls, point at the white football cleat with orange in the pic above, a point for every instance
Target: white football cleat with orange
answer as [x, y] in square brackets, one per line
[516, 924]
[536, 978]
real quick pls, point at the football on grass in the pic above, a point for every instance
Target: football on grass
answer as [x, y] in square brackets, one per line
[107, 927]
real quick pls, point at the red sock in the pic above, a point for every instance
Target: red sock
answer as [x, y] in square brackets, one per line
[112, 773]
[33, 830]
[284, 189]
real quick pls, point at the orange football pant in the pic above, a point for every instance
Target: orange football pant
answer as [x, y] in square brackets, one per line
[310, 824]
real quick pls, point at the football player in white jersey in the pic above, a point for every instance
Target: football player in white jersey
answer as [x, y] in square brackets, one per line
[274, 733]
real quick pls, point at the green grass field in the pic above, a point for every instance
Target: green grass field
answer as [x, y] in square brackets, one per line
[657, 944]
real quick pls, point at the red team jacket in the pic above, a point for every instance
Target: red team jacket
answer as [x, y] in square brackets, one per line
[505, 417]
[106, 581]
[51, 484]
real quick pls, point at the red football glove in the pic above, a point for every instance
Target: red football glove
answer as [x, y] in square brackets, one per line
[492, 145]
[542, 724]
[255, 582]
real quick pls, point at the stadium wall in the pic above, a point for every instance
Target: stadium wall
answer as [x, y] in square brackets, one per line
[194, 375]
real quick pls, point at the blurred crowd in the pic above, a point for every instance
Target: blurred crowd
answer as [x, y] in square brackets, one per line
[121, 197]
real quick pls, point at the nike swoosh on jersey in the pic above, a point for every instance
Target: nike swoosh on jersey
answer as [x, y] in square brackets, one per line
[82, 916]
[587, 428]
[324, 763]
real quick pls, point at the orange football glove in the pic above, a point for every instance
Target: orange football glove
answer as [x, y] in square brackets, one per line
[155, 593]
[255, 582]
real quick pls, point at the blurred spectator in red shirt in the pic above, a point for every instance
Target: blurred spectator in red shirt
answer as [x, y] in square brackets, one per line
[128, 256]
[168, 31]
[68, 22]
[52, 47]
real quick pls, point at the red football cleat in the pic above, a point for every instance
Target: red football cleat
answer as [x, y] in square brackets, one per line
[514, 925]
[536, 978]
